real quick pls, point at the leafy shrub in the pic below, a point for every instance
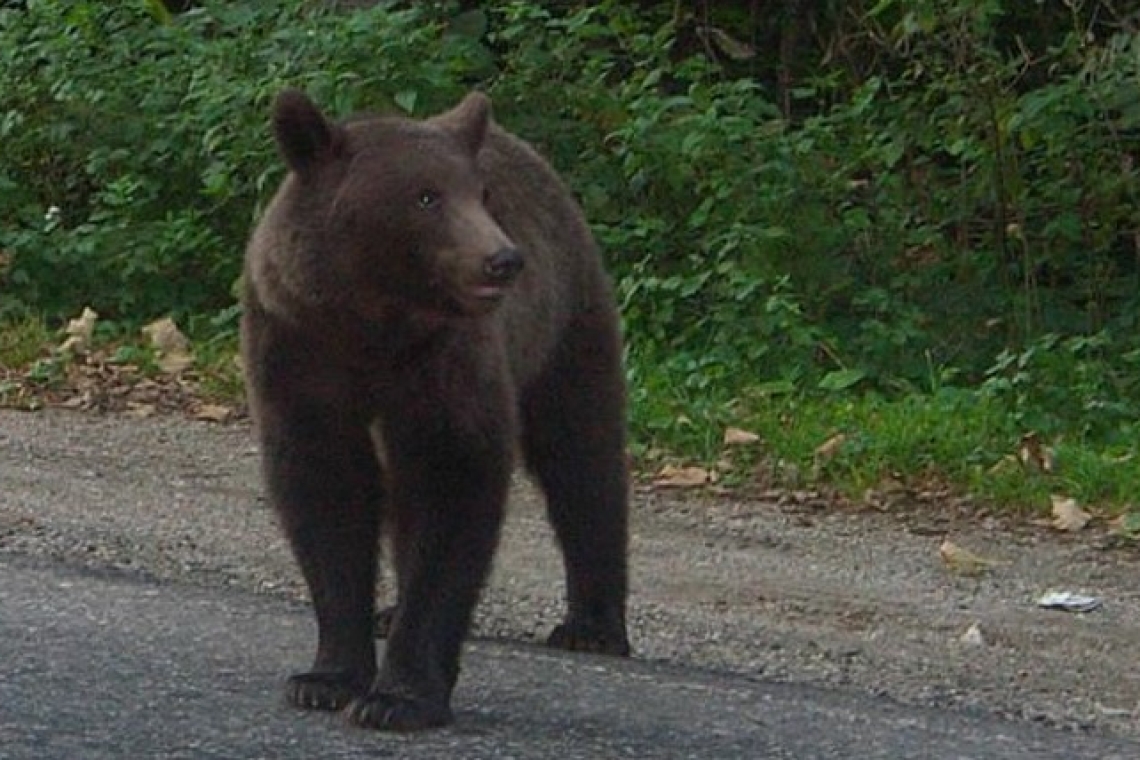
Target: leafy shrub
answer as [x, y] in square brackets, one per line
[136, 151]
[1077, 385]
[940, 184]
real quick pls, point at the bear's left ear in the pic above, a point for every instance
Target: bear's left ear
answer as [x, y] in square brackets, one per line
[468, 121]
[304, 136]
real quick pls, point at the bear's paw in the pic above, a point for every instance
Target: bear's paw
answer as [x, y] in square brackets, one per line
[580, 634]
[323, 690]
[386, 711]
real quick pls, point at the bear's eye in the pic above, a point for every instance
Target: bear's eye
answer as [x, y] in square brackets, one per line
[427, 199]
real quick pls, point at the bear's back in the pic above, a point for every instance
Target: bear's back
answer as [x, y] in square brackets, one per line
[563, 278]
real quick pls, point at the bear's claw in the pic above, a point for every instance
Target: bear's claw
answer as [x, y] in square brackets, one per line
[322, 691]
[385, 711]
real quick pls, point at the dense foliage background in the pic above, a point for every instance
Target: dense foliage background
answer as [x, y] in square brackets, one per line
[865, 200]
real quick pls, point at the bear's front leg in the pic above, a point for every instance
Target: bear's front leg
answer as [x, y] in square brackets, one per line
[325, 483]
[448, 491]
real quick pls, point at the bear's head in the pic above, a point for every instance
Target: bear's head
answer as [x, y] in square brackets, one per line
[390, 214]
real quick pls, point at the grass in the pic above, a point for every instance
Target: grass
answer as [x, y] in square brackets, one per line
[1100, 477]
[856, 441]
[22, 341]
[218, 368]
[23, 346]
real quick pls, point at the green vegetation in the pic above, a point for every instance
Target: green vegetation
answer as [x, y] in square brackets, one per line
[22, 341]
[913, 223]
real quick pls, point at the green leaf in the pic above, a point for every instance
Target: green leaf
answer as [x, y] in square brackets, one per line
[841, 379]
[406, 100]
[160, 12]
[471, 24]
[775, 388]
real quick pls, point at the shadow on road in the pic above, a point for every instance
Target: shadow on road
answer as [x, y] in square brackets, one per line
[107, 665]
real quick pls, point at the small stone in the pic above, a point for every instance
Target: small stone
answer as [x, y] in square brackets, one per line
[973, 636]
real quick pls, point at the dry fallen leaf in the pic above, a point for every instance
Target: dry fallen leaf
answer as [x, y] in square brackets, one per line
[173, 363]
[165, 336]
[831, 446]
[891, 491]
[213, 413]
[672, 476]
[963, 561]
[140, 409]
[1067, 514]
[79, 331]
[737, 437]
[1035, 455]
[173, 349]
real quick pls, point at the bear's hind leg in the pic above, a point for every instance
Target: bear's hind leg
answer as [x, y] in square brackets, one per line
[574, 443]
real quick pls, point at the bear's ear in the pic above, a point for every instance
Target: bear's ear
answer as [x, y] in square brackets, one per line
[304, 136]
[468, 121]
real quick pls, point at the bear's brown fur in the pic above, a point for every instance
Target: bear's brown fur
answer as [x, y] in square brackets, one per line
[420, 297]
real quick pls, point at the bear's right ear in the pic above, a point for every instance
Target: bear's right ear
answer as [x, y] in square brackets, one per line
[304, 136]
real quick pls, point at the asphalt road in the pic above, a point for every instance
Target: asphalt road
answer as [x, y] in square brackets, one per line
[108, 664]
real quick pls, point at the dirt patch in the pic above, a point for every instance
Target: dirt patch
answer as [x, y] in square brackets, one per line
[779, 591]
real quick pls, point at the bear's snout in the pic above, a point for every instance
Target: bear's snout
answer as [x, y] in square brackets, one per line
[503, 265]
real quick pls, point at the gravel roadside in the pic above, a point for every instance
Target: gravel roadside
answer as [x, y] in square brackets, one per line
[782, 593]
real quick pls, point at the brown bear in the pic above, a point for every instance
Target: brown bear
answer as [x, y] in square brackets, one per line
[422, 300]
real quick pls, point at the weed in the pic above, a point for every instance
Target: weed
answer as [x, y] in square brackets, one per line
[22, 340]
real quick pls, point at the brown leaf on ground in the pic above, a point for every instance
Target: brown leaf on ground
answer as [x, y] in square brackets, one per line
[173, 348]
[963, 561]
[95, 380]
[737, 437]
[213, 413]
[140, 409]
[830, 447]
[1067, 514]
[79, 332]
[673, 476]
[891, 491]
[1035, 455]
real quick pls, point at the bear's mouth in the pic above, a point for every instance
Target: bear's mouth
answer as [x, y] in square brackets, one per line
[479, 298]
[488, 292]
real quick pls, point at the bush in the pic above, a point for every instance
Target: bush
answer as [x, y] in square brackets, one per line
[136, 152]
[919, 198]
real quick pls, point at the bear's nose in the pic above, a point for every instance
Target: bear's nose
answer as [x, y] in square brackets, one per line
[503, 265]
